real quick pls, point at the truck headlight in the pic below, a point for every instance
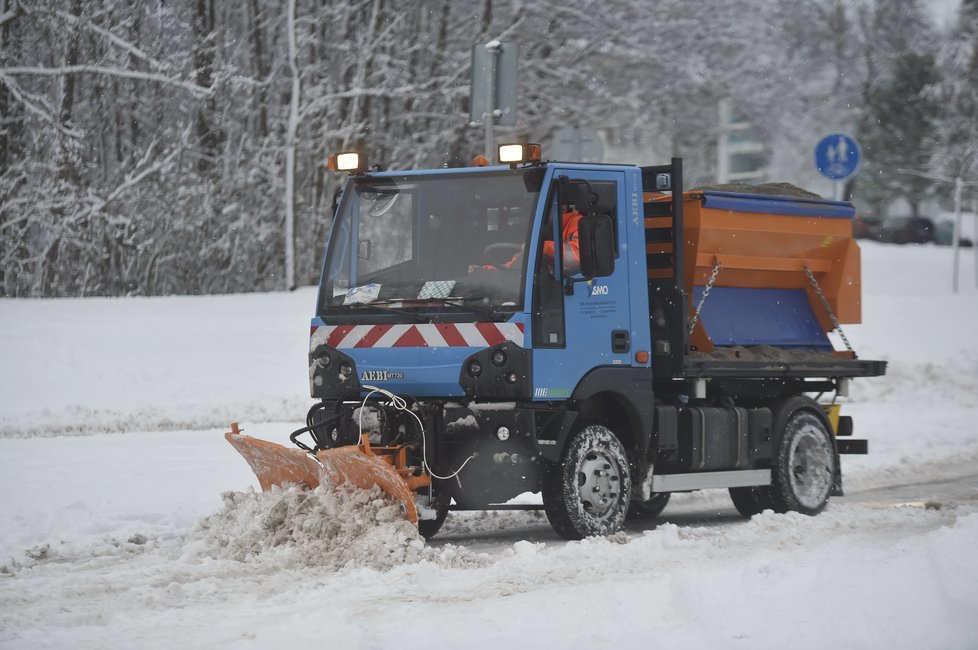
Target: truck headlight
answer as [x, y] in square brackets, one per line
[351, 161]
[519, 153]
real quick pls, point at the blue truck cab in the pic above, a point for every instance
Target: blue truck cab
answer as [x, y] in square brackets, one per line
[456, 317]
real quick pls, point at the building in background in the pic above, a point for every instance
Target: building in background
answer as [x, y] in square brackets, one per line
[741, 156]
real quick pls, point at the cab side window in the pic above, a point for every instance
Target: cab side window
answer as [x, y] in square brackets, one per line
[548, 297]
[559, 240]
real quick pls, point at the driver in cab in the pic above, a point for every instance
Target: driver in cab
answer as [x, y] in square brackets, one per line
[571, 253]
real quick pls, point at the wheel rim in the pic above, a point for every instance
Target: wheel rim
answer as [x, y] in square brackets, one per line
[810, 466]
[599, 482]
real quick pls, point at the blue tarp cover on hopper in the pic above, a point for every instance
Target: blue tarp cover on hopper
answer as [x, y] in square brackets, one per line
[749, 317]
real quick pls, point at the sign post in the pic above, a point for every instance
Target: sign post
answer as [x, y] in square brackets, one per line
[489, 117]
[837, 158]
[959, 184]
[492, 97]
[956, 233]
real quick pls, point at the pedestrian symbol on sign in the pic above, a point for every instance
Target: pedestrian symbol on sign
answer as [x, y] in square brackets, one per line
[840, 152]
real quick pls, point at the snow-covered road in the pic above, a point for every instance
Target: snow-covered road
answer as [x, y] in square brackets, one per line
[114, 532]
[109, 554]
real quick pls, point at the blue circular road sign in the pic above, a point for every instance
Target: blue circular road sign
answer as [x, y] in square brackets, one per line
[837, 156]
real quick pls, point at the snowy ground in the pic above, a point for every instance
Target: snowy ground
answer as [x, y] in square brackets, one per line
[114, 531]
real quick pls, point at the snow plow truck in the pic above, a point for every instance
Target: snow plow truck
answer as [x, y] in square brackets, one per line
[589, 332]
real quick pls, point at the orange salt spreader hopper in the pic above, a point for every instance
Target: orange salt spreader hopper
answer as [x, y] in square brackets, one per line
[767, 248]
[361, 465]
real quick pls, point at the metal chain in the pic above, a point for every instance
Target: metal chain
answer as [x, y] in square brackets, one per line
[828, 308]
[706, 292]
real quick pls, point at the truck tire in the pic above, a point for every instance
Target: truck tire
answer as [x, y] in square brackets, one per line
[649, 509]
[804, 469]
[587, 493]
[750, 501]
[806, 465]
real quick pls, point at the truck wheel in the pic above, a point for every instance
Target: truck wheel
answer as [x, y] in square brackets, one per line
[587, 492]
[649, 509]
[806, 465]
[750, 501]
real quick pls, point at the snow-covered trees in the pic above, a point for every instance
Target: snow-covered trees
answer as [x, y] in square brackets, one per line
[132, 167]
[898, 117]
[158, 147]
[954, 152]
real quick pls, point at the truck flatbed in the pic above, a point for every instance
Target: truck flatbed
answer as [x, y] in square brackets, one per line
[787, 363]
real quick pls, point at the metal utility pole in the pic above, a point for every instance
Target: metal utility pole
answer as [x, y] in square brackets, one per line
[957, 230]
[974, 212]
[493, 91]
[493, 48]
[723, 156]
[293, 126]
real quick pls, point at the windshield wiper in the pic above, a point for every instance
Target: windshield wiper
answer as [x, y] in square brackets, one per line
[378, 190]
[405, 304]
[385, 305]
[495, 311]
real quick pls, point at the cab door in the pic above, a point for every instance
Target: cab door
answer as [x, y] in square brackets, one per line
[578, 325]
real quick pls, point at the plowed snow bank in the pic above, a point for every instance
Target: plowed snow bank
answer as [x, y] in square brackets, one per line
[333, 529]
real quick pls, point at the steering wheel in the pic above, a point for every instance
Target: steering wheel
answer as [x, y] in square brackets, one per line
[500, 253]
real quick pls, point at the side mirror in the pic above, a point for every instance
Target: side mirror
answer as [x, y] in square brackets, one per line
[596, 236]
[576, 191]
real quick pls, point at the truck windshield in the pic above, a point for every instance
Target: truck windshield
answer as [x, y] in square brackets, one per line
[420, 241]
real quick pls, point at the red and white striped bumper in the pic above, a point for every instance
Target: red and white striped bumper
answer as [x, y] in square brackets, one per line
[426, 335]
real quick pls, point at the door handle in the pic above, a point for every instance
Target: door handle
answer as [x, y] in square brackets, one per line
[620, 341]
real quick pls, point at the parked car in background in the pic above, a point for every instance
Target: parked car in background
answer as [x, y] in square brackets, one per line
[906, 230]
[866, 226]
[944, 234]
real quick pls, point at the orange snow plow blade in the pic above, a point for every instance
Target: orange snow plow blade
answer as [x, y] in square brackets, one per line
[358, 465]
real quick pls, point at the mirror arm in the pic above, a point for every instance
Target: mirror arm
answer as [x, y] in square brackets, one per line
[570, 282]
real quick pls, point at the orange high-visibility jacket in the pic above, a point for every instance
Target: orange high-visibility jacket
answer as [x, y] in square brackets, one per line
[572, 247]
[571, 244]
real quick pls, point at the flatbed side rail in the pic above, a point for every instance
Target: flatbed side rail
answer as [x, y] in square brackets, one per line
[775, 369]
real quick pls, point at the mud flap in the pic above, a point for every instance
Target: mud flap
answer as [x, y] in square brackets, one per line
[276, 465]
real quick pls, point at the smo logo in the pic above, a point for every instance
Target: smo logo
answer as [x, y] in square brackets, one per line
[599, 290]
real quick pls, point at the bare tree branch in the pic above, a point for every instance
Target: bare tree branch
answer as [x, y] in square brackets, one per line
[10, 14]
[119, 42]
[38, 107]
[132, 178]
[192, 88]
